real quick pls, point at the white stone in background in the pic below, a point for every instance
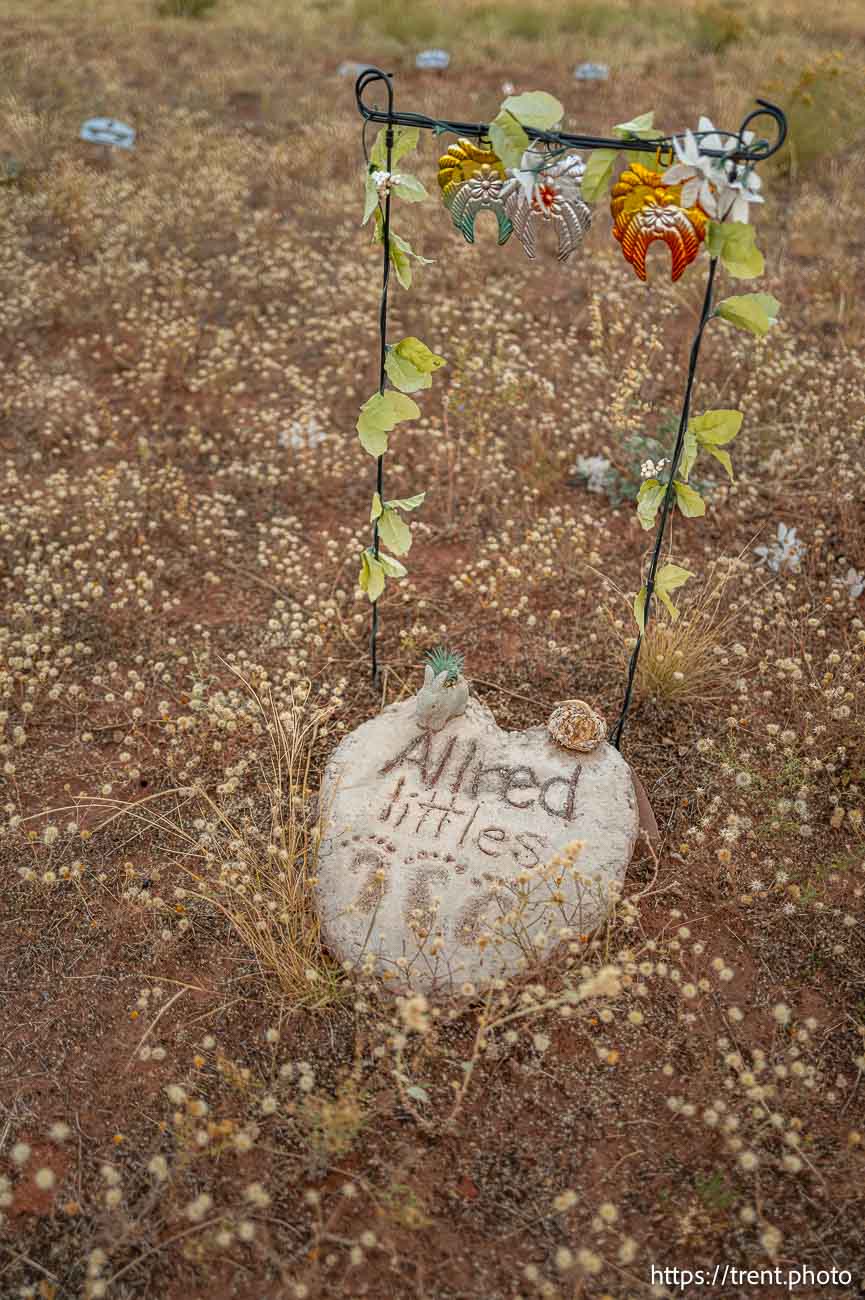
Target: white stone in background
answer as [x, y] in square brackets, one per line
[595, 470]
[439, 831]
[439, 59]
[591, 72]
[108, 131]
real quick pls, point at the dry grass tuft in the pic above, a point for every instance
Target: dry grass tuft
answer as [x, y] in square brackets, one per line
[264, 886]
[261, 881]
[687, 659]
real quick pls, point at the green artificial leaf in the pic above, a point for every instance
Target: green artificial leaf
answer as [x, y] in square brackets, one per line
[376, 508]
[639, 126]
[668, 579]
[755, 312]
[405, 139]
[716, 427]
[399, 260]
[734, 242]
[406, 248]
[399, 251]
[399, 254]
[410, 364]
[598, 173]
[409, 188]
[420, 356]
[508, 139]
[392, 567]
[723, 457]
[370, 198]
[378, 415]
[689, 455]
[394, 531]
[649, 499]
[371, 576]
[689, 501]
[534, 108]
[640, 609]
[403, 375]
[408, 503]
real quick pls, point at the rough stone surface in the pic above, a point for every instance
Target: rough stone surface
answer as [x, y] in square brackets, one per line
[430, 839]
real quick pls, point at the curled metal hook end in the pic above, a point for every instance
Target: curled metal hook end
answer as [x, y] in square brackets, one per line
[367, 78]
[761, 149]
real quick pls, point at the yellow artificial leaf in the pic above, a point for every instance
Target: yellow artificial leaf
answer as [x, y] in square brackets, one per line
[690, 502]
[371, 576]
[394, 531]
[598, 174]
[716, 427]
[649, 499]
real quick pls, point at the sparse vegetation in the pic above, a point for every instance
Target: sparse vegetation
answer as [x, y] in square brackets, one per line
[194, 1098]
[185, 8]
[718, 26]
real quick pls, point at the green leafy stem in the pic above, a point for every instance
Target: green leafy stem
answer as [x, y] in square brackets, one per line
[407, 366]
[732, 245]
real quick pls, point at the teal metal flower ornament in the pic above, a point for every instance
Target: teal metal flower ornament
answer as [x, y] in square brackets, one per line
[472, 180]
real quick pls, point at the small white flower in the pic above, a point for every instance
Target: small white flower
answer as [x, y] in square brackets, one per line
[595, 469]
[651, 468]
[853, 580]
[383, 181]
[785, 554]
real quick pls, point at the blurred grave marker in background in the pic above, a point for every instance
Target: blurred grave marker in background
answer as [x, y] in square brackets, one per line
[109, 133]
[438, 60]
[591, 72]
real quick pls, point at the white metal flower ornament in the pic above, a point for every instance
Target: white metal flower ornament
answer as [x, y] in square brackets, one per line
[547, 188]
[722, 188]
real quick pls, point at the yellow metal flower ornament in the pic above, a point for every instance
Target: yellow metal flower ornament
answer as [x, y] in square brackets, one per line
[471, 180]
[645, 209]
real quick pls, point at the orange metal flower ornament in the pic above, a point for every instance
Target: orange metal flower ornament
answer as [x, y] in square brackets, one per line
[471, 180]
[645, 209]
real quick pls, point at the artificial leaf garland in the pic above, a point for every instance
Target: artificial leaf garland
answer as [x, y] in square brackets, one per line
[408, 364]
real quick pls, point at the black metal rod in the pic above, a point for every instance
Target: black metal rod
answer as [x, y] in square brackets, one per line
[757, 151]
[382, 324]
[616, 735]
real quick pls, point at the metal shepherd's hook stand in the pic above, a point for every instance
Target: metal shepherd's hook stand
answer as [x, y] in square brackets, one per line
[740, 153]
[362, 81]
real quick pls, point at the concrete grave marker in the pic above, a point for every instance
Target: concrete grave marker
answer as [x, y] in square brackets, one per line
[438, 828]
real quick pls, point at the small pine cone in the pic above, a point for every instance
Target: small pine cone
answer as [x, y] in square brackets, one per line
[575, 725]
